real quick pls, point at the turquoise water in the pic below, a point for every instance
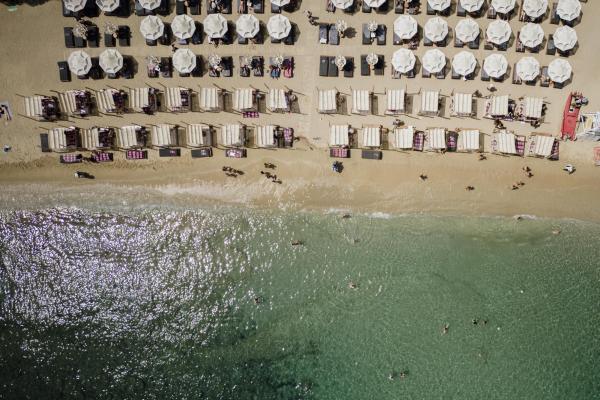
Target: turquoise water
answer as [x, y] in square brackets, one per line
[165, 303]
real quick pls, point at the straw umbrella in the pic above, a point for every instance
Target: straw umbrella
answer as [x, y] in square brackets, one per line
[403, 60]
[110, 28]
[74, 5]
[559, 70]
[340, 61]
[149, 4]
[215, 26]
[342, 4]
[535, 8]
[247, 26]
[152, 27]
[467, 30]
[374, 3]
[341, 26]
[107, 5]
[436, 29]
[405, 27]
[568, 10]
[279, 27]
[495, 65]
[439, 5]
[184, 60]
[528, 68]
[503, 6]
[80, 62]
[214, 60]
[498, 32]
[80, 30]
[471, 5]
[372, 59]
[183, 26]
[464, 63]
[434, 61]
[565, 38]
[111, 61]
[531, 35]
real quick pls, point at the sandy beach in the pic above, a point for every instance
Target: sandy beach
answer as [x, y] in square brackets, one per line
[391, 185]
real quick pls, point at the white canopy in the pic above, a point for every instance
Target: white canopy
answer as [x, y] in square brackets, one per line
[434, 61]
[33, 107]
[342, 4]
[163, 135]
[139, 98]
[505, 143]
[74, 5]
[528, 68]
[80, 62]
[209, 98]
[280, 3]
[467, 30]
[568, 10]
[215, 26]
[462, 104]
[247, 26]
[405, 27]
[497, 106]
[402, 138]
[127, 136]
[328, 101]
[471, 5]
[183, 26]
[532, 107]
[430, 102]
[468, 140]
[243, 99]
[90, 139]
[535, 8]
[68, 101]
[565, 38]
[436, 29]
[149, 4]
[503, 6]
[436, 138]
[105, 100]
[277, 100]
[184, 61]
[231, 135]
[531, 35]
[559, 70]
[374, 3]
[464, 63]
[371, 136]
[152, 27]
[198, 135]
[338, 135]
[173, 98]
[542, 145]
[57, 140]
[395, 100]
[111, 61]
[439, 5]
[107, 5]
[498, 31]
[279, 27]
[403, 60]
[495, 65]
[265, 136]
[361, 101]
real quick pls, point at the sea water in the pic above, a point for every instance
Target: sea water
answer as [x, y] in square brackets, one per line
[164, 302]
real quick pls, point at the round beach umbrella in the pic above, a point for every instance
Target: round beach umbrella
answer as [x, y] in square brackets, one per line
[559, 70]
[184, 60]
[434, 61]
[80, 62]
[467, 30]
[280, 3]
[342, 4]
[436, 29]
[498, 32]
[403, 60]
[372, 59]
[111, 61]
[107, 5]
[75, 5]
[372, 26]
[439, 5]
[503, 6]
[215, 26]
[531, 35]
[374, 3]
[464, 63]
[495, 65]
[340, 61]
[149, 4]
[565, 38]
[152, 27]
[214, 60]
[471, 5]
[183, 26]
[528, 68]
[279, 27]
[405, 27]
[568, 10]
[535, 8]
[247, 26]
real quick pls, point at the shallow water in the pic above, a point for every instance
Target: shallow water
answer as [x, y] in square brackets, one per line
[158, 302]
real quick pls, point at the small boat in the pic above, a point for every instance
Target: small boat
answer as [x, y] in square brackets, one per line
[571, 116]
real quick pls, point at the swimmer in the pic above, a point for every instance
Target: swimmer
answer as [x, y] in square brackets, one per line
[445, 329]
[352, 285]
[297, 243]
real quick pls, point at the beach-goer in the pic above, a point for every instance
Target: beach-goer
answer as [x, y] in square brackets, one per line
[482, 157]
[491, 87]
[475, 321]
[297, 243]
[352, 285]
[514, 187]
[445, 329]
[526, 169]
[569, 168]
[469, 188]
[423, 177]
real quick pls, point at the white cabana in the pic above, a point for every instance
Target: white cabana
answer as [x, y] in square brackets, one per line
[277, 100]
[395, 101]
[439, 5]
[327, 101]
[243, 99]
[264, 136]
[535, 8]
[339, 135]
[215, 26]
[149, 4]
[280, 3]
[107, 5]
[528, 68]
[374, 3]
[532, 107]
[464, 63]
[402, 138]
[405, 27]
[184, 61]
[436, 29]
[468, 140]
[462, 104]
[403, 60]
[279, 27]
[498, 32]
[198, 135]
[471, 5]
[467, 30]
[434, 61]
[559, 70]
[371, 136]
[57, 139]
[68, 101]
[164, 135]
[174, 98]
[152, 27]
[111, 61]
[232, 135]
[565, 38]
[105, 100]
[361, 101]
[504, 142]
[497, 106]
[342, 4]
[568, 10]
[74, 5]
[430, 102]
[495, 65]
[127, 136]
[541, 145]
[34, 107]
[183, 26]
[209, 99]
[503, 6]
[89, 139]
[531, 35]
[139, 98]
[80, 62]
[247, 26]
[435, 138]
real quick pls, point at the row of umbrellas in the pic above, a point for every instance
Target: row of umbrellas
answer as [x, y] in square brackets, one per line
[464, 63]
[215, 26]
[112, 5]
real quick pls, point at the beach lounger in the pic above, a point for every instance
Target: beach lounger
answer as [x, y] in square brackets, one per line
[502, 47]
[418, 141]
[519, 46]
[424, 73]
[198, 71]
[150, 42]
[323, 33]
[460, 11]
[258, 6]
[194, 6]
[427, 42]
[127, 71]
[180, 7]
[71, 158]
[515, 77]
[165, 39]
[275, 9]
[339, 152]
[201, 153]
[136, 154]
[430, 11]
[366, 35]
[257, 66]
[102, 156]
[550, 47]
[334, 36]
[349, 67]
[365, 8]
[197, 36]
[455, 75]
[554, 18]
[288, 67]
[63, 71]
[169, 152]
[323, 66]
[484, 76]
[227, 63]
[139, 10]
[491, 14]
[235, 153]
[124, 35]
[289, 39]
[226, 7]
[381, 34]
[65, 12]
[488, 45]
[411, 74]
[79, 41]
[109, 40]
[44, 144]
[474, 45]
[93, 36]
[457, 42]
[441, 74]
[69, 38]
[399, 6]
[365, 70]
[96, 71]
[333, 68]
[545, 78]
[397, 39]
[372, 154]
[380, 66]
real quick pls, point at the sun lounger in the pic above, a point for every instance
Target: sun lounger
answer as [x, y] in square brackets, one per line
[515, 77]
[545, 78]
[455, 75]
[558, 85]
[424, 73]
[150, 42]
[366, 35]
[323, 66]
[502, 47]
[259, 6]
[339, 152]
[139, 10]
[166, 67]
[334, 36]
[418, 141]
[165, 39]
[371, 154]
[323, 33]
[93, 36]
[395, 74]
[460, 11]
[63, 71]
[397, 39]
[411, 74]
[198, 71]
[235, 153]
[444, 42]
[197, 36]
[441, 74]
[136, 154]
[554, 18]
[288, 67]
[484, 76]
[169, 152]
[457, 42]
[65, 12]
[102, 156]
[491, 14]
[44, 144]
[430, 11]
[227, 63]
[413, 44]
[109, 40]
[124, 35]
[69, 38]
[474, 45]
[365, 8]
[365, 70]
[201, 153]
[179, 7]
[550, 47]
[427, 42]
[79, 41]
[381, 34]
[333, 68]
[275, 9]
[380, 66]
[399, 6]
[71, 158]
[488, 45]
[96, 71]
[519, 46]
[194, 7]
[349, 67]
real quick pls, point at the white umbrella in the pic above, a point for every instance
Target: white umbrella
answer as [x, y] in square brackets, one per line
[80, 62]
[111, 61]
[528, 68]
[495, 65]
[374, 3]
[107, 5]
[247, 26]
[405, 27]
[280, 3]
[183, 26]
[214, 60]
[498, 32]
[503, 6]
[184, 60]
[464, 63]
[403, 60]
[439, 5]
[152, 27]
[436, 29]
[565, 38]
[279, 27]
[559, 70]
[372, 59]
[434, 61]
[342, 4]
[149, 4]
[215, 26]
[467, 30]
[471, 5]
[75, 5]
[568, 10]
[535, 8]
[372, 26]
[531, 35]
[340, 61]
[278, 60]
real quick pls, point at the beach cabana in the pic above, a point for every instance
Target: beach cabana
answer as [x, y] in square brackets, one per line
[279, 27]
[41, 108]
[178, 99]
[467, 30]
[402, 138]
[568, 10]
[327, 101]
[531, 108]
[131, 137]
[371, 137]
[277, 100]
[183, 26]
[471, 6]
[80, 63]
[361, 101]
[405, 27]
[110, 101]
[436, 29]
[264, 136]
[559, 70]
[198, 135]
[77, 103]
[435, 139]
[462, 105]
[232, 135]
[244, 99]
[464, 63]
[395, 101]
[535, 8]
[468, 140]
[98, 138]
[496, 107]
[339, 135]
[543, 145]
[504, 143]
[164, 135]
[64, 139]
[503, 6]
[565, 38]
[152, 27]
[528, 68]
[430, 103]
[531, 35]
[143, 100]
[498, 32]
[215, 26]
[495, 66]
[247, 26]
[210, 99]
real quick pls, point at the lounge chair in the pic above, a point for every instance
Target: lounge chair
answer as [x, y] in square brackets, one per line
[365, 70]
[441, 74]
[430, 11]
[275, 9]
[333, 70]
[554, 18]
[44, 143]
[166, 67]
[96, 71]
[503, 46]
[351, 9]
[194, 7]
[474, 44]
[427, 42]
[197, 72]
[288, 67]
[515, 77]
[65, 12]
[395, 74]
[63, 71]
[197, 36]
[366, 35]
[164, 8]
[460, 11]
[258, 66]
[69, 38]
[550, 47]
[109, 40]
[323, 33]
[127, 71]
[545, 78]
[179, 7]
[323, 65]
[349, 67]
[139, 10]
[150, 42]
[79, 41]
[227, 63]
[380, 66]
[399, 6]
[124, 35]
[455, 75]
[519, 46]
[201, 153]
[93, 36]
[488, 45]
[289, 39]
[457, 42]
[365, 8]
[425, 73]
[484, 76]
[241, 39]
[165, 39]
[397, 39]
[491, 14]
[444, 42]
[558, 85]
[381, 34]
[258, 6]
[334, 35]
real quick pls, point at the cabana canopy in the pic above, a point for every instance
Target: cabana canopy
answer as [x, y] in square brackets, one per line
[531, 35]
[215, 26]
[339, 135]
[277, 100]
[395, 100]
[471, 5]
[127, 136]
[468, 140]
[466, 30]
[80, 62]
[436, 29]
[328, 101]
[175, 97]
[34, 107]
[232, 135]
[495, 65]
[371, 136]
[436, 138]
[247, 26]
[150, 4]
[503, 6]
[535, 8]
[462, 104]
[402, 138]
[403, 60]
[434, 61]
[464, 63]
[243, 99]
[439, 5]
[209, 98]
[568, 10]
[152, 27]
[69, 101]
[89, 139]
[57, 139]
[498, 32]
[532, 107]
[198, 135]
[497, 106]
[542, 145]
[559, 70]
[183, 26]
[528, 68]
[265, 136]
[139, 98]
[279, 27]
[105, 100]
[405, 27]
[430, 102]
[164, 135]
[565, 38]
[184, 61]
[111, 61]
[361, 101]
[505, 143]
